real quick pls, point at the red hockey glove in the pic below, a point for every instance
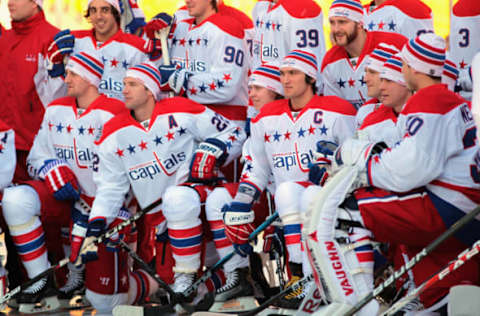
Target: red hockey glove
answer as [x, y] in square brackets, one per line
[60, 180]
[209, 154]
[159, 22]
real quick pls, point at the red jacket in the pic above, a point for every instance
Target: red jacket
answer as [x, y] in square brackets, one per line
[20, 104]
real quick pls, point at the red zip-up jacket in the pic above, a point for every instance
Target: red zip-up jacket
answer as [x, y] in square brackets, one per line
[22, 101]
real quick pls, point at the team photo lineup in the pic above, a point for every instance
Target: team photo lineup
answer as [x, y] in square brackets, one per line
[218, 162]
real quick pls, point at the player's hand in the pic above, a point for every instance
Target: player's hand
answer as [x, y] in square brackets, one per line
[159, 22]
[89, 248]
[209, 155]
[238, 218]
[60, 179]
[78, 234]
[321, 168]
[62, 45]
[174, 79]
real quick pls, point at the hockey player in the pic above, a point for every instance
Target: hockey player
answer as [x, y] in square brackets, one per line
[343, 67]
[209, 61]
[431, 168]
[406, 17]
[118, 50]
[150, 149]
[284, 25]
[373, 66]
[464, 28]
[60, 162]
[283, 138]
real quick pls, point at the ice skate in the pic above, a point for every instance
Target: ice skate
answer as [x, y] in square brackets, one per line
[72, 294]
[39, 297]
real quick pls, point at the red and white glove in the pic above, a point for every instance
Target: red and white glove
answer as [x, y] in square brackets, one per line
[62, 45]
[159, 22]
[60, 180]
[238, 218]
[209, 154]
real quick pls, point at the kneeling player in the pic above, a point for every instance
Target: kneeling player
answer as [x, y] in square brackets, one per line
[61, 162]
[149, 149]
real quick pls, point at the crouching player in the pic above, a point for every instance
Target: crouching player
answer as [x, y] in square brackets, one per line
[149, 149]
[61, 163]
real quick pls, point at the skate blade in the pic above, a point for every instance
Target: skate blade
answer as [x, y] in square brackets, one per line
[47, 304]
[238, 304]
[76, 302]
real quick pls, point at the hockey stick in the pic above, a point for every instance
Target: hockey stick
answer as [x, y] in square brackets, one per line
[466, 255]
[111, 232]
[277, 296]
[162, 35]
[174, 297]
[410, 264]
[222, 261]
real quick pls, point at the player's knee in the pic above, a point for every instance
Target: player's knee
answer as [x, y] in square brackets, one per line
[103, 303]
[181, 203]
[20, 204]
[214, 203]
[287, 198]
[308, 197]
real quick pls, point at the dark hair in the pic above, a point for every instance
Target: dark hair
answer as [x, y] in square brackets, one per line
[114, 11]
[312, 82]
[214, 5]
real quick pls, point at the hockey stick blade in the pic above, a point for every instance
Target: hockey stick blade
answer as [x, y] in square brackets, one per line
[460, 260]
[222, 261]
[64, 261]
[412, 262]
[277, 296]
[174, 297]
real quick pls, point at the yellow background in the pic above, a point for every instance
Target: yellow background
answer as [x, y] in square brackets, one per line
[69, 13]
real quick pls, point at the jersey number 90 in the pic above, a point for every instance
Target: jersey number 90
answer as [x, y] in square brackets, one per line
[234, 55]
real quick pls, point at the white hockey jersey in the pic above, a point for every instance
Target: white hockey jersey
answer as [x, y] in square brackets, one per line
[284, 26]
[345, 80]
[283, 142]
[437, 150]
[68, 133]
[380, 125]
[152, 158]
[409, 18]
[216, 53]
[464, 34]
[367, 108]
[8, 156]
[119, 53]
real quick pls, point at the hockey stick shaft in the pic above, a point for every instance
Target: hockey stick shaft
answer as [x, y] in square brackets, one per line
[277, 296]
[64, 261]
[173, 296]
[162, 35]
[460, 260]
[222, 261]
[412, 262]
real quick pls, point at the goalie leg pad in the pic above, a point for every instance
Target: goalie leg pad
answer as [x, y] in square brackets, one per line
[333, 251]
[181, 208]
